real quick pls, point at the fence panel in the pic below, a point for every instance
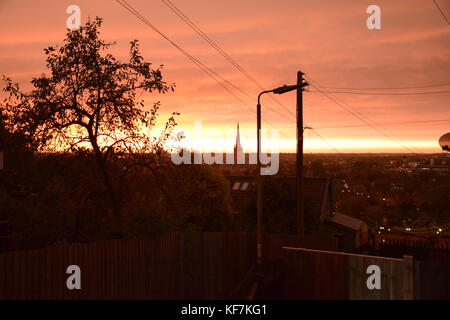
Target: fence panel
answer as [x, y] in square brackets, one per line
[316, 274]
[171, 266]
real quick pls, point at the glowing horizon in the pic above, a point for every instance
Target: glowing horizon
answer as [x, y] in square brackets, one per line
[222, 141]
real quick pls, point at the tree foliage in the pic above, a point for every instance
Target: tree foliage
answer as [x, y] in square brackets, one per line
[89, 100]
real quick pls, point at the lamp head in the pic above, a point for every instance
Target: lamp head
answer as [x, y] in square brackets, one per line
[286, 88]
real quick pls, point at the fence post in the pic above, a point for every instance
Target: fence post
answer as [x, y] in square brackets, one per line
[408, 277]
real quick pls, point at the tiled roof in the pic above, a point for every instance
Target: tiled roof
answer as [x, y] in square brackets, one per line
[242, 190]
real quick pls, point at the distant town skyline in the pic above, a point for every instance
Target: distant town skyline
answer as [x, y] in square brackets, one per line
[271, 40]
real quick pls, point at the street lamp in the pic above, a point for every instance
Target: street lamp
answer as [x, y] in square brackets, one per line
[285, 89]
[280, 90]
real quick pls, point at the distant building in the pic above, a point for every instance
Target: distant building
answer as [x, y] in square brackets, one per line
[241, 161]
[319, 205]
[238, 147]
[317, 194]
[351, 232]
[239, 156]
[242, 191]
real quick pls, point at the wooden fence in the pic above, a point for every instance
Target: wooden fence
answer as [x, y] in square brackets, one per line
[171, 266]
[315, 274]
[420, 248]
[431, 262]
[183, 265]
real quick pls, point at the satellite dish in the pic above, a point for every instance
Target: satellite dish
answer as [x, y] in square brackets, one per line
[444, 142]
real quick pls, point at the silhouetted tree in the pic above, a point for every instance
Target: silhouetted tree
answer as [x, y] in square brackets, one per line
[89, 100]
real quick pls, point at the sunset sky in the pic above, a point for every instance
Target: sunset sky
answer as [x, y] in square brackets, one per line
[272, 40]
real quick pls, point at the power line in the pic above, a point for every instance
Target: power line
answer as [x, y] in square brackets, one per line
[388, 88]
[388, 135]
[367, 120]
[371, 123]
[330, 145]
[206, 69]
[385, 124]
[360, 117]
[214, 45]
[191, 24]
[212, 74]
[442, 12]
[190, 57]
[386, 93]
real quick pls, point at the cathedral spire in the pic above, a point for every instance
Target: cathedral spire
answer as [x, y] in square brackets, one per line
[238, 146]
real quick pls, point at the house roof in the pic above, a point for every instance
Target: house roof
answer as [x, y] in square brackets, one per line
[243, 189]
[345, 221]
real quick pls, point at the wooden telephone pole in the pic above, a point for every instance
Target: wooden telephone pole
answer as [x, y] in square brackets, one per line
[300, 186]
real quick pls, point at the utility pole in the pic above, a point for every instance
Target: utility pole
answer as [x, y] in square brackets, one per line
[280, 90]
[300, 193]
[259, 186]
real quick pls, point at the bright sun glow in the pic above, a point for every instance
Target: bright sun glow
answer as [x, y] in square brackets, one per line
[210, 140]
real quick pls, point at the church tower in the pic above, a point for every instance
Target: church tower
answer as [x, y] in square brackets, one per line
[237, 147]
